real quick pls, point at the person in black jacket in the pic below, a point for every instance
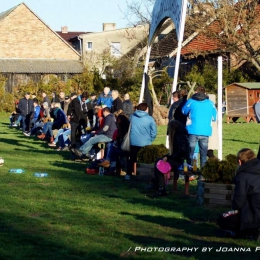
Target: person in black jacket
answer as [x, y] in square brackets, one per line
[245, 217]
[93, 99]
[103, 135]
[26, 107]
[46, 98]
[79, 111]
[55, 98]
[117, 103]
[128, 108]
[175, 111]
[179, 150]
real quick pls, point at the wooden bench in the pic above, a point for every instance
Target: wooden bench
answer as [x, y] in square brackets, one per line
[246, 118]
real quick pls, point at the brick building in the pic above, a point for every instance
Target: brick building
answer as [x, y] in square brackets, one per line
[31, 50]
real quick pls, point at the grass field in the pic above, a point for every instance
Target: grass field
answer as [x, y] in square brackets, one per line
[72, 215]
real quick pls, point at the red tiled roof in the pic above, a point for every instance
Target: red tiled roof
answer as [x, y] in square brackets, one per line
[69, 35]
[199, 44]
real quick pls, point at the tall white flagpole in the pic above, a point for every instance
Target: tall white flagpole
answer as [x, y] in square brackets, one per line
[180, 39]
[178, 55]
[145, 71]
[220, 106]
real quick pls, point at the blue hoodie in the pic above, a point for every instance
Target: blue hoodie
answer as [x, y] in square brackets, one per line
[36, 112]
[201, 112]
[143, 129]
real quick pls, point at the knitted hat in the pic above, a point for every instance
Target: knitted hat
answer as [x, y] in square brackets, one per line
[45, 104]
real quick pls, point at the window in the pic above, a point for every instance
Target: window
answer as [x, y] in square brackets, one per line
[115, 49]
[89, 45]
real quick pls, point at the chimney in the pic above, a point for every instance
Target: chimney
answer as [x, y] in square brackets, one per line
[109, 27]
[64, 29]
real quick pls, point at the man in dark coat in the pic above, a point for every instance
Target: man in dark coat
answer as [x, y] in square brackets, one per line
[175, 111]
[117, 103]
[46, 99]
[128, 108]
[79, 111]
[245, 217]
[26, 107]
[55, 98]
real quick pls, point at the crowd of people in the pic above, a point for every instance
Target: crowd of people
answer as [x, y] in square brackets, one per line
[200, 129]
[84, 121]
[189, 130]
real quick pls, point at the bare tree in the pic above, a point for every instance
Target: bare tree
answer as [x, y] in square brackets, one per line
[232, 25]
[139, 12]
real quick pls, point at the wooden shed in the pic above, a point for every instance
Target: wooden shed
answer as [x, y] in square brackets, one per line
[240, 99]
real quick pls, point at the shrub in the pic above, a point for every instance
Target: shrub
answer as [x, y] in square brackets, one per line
[7, 103]
[6, 99]
[150, 153]
[218, 171]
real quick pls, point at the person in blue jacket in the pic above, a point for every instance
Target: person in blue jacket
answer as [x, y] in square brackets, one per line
[143, 131]
[105, 99]
[59, 119]
[201, 112]
[36, 113]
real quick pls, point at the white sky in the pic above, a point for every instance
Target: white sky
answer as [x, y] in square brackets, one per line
[78, 15]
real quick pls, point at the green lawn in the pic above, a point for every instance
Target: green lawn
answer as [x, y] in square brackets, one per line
[72, 215]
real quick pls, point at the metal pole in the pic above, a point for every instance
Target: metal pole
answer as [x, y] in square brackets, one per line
[180, 39]
[145, 71]
[220, 72]
[178, 54]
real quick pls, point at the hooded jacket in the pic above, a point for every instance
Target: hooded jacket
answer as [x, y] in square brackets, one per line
[143, 129]
[36, 113]
[201, 112]
[59, 118]
[246, 197]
